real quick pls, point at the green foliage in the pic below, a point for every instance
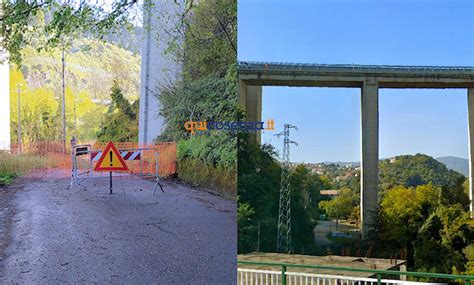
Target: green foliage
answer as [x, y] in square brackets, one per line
[210, 98]
[208, 161]
[340, 207]
[415, 170]
[246, 231]
[213, 150]
[23, 21]
[258, 185]
[445, 233]
[12, 165]
[259, 176]
[211, 40]
[206, 92]
[403, 211]
[121, 121]
[6, 178]
[469, 254]
[304, 188]
[428, 225]
[88, 75]
[200, 174]
[90, 70]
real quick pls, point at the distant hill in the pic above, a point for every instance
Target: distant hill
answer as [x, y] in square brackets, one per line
[414, 170]
[458, 164]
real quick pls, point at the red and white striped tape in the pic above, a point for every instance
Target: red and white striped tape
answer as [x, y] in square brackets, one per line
[126, 155]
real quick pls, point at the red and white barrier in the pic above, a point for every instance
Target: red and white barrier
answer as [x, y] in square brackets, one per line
[126, 155]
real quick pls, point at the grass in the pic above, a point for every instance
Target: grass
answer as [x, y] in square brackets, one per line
[12, 165]
[199, 174]
[6, 178]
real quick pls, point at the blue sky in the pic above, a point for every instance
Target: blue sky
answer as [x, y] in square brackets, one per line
[403, 32]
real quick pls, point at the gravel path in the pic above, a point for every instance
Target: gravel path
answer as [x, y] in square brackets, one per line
[84, 235]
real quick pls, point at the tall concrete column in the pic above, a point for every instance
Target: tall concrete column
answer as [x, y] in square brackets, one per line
[4, 103]
[251, 101]
[470, 114]
[369, 154]
[159, 68]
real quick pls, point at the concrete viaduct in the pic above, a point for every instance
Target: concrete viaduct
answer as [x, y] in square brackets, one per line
[369, 78]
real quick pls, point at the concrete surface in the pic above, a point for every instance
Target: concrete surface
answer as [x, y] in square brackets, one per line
[470, 111]
[5, 103]
[85, 235]
[369, 170]
[158, 67]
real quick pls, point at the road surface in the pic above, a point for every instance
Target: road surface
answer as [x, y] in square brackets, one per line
[323, 228]
[84, 235]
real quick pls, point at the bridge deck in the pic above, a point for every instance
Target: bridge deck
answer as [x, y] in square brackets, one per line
[348, 75]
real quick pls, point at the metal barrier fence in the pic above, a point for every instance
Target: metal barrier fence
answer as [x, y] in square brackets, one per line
[284, 275]
[142, 162]
[38, 157]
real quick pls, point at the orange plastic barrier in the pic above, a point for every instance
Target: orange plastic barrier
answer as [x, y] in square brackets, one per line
[33, 157]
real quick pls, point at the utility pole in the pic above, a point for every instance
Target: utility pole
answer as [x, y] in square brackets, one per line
[284, 212]
[258, 237]
[19, 119]
[74, 111]
[63, 100]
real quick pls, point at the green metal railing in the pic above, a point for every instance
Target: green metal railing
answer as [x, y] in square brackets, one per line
[284, 268]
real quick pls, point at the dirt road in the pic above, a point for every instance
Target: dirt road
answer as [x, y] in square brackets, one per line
[84, 235]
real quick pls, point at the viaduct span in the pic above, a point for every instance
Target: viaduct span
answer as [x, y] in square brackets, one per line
[369, 78]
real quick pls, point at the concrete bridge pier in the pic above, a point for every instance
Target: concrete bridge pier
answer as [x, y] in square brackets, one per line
[369, 153]
[251, 100]
[470, 115]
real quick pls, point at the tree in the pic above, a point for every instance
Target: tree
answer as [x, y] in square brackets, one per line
[211, 38]
[121, 122]
[246, 229]
[258, 186]
[403, 210]
[206, 92]
[38, 111]
[469, 254]
[21, 20]
[340, 207]
[304, 189]
[445, 233]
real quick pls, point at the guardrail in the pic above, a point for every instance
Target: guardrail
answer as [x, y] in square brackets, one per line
[285, 277]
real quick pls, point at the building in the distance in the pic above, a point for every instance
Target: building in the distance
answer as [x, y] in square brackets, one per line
[160, 67]
[329, 193]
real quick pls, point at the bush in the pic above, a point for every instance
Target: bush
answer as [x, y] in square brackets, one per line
[6, 178]
[200, 174]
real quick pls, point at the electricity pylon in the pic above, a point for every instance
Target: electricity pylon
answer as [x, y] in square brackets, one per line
[284, 212]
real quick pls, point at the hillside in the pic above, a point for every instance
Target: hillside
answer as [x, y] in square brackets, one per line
[414, 170]
[458, 164]
[91, 66]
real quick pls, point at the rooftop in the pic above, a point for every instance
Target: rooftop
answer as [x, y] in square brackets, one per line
[330, 260]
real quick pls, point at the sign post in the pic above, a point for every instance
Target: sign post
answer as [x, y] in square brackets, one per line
[116, 162]
[110, 172]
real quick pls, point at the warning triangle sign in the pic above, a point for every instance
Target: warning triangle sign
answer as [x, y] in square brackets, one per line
[110, 160]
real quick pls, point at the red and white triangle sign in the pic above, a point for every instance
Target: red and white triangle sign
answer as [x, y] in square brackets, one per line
[111, 160]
